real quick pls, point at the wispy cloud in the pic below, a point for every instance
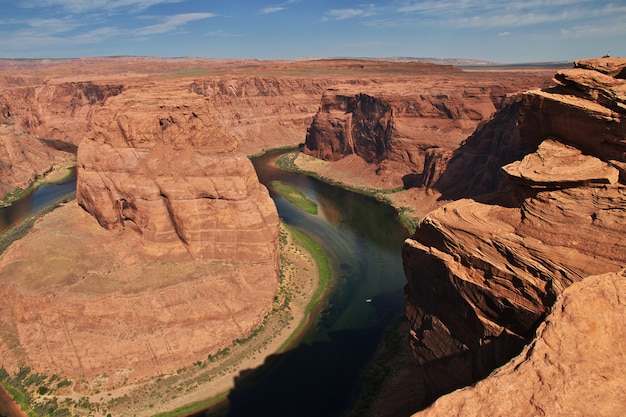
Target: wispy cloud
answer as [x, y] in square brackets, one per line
[82, 6]
[516, 13]
[275, 8]
[172, 23]
[223, 34]
[365, 10]
[271, 9]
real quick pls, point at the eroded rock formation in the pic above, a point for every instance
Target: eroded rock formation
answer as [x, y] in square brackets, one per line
[162, 165]
[407, 129]
[573, 366]
[183, 258]
[484, 272]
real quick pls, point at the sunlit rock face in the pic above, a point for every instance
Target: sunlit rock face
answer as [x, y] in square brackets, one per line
[174, 256]
[409, 128]
[158, 162]
[484, 271]
[573, 365]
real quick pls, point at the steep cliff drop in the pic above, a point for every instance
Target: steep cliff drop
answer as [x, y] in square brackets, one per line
[483, 272]
[573, 366]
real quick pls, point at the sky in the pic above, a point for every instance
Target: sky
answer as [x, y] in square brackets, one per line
[509, 31]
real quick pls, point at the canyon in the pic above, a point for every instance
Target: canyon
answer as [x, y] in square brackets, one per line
[170, 208]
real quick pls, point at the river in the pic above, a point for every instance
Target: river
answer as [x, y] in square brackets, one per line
[43, 196]
[363, 239]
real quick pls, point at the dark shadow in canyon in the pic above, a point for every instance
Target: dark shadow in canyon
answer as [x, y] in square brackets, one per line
[320, 378]
[474, 168]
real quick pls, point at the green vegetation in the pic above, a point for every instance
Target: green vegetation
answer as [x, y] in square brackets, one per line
[286, 162]
[19, 231]
[19, 193]
[295, 196]
[324, 273]
[25, 386]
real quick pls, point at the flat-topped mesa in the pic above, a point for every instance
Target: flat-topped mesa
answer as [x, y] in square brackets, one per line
[158, 162]
[482, 273]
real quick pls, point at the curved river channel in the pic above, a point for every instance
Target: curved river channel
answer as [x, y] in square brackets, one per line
[363, 240]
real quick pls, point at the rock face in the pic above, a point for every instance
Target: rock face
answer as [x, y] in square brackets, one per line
[162, 165]
[263, 112]
[484, 272]
[408, 129]
[29, 114]
[59, 110]
[573, 366]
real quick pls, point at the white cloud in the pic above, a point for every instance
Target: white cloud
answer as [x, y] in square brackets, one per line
[607, 29]
[172, 23]
[504, 33]
[343, 14]
[271, 9]
[486, 13]
[82, 6]
[223, 34]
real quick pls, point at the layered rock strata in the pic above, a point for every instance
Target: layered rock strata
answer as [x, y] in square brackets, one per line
[407, 129]
[484, 272]
[163, 166]
[573, 366]
[24, 159]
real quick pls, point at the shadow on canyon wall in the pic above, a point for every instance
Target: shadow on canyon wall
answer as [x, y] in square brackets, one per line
[318, 378]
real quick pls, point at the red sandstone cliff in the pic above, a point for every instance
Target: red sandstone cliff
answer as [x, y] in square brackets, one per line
[160, 163]
[573, 366]
[107, 305]
[408, 129]
[484, 272]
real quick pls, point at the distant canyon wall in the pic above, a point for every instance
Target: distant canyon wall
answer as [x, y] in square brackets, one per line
[483, 272]
[409, 129]
[260, 112]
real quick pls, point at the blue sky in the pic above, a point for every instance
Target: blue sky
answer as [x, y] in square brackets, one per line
[500, 31]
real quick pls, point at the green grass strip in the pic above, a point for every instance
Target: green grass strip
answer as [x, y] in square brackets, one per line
[325, 275]
[295, 196]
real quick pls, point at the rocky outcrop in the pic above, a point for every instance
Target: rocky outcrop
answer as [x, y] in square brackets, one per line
[585, 109]
[407, 129]
[183, 258]
[573, 366]
[159, 163]
[484, 272]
